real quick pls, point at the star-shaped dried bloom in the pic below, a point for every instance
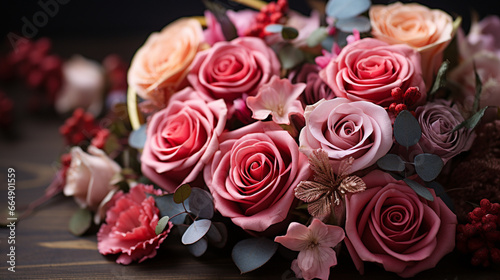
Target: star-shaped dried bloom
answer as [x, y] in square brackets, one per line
[327, 191]
[277, 98]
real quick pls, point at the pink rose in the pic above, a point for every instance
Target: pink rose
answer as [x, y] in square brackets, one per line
[488, 69]
[390, 224]
[483, 36]
[437, 120]
[253, 175]
[242, 21]
[344, 129]
[182, 138]
[230, 69]
[130, 226]
[429, 31]
[89, 178]
[369, 69]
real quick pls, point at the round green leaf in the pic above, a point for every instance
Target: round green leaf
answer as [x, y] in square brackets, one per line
[168, 207]
[289, 33]
[250, 254]
[80, 222]
[419, 189]
[222, 232]
[428, 166]
[182, 193]
[274, 28]
[341, 9]
[360, 23]
[391, 162]
[162, 224]
[137, 138]
[200, 203]
[317, 36]
[196, 231]
[198, 248]
[407, 129]
[290, 56]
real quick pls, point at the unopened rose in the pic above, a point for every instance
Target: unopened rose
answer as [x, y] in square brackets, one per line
[182, 138]
[89, 178]
[253, 175]
[316, 89]
[160, 66]
[369, 69]
[130, 226]
[429, 31]
[344, 129]
[230, 69]
[390, 224]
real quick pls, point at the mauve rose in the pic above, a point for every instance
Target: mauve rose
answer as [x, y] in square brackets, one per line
[160, 66]
[89, 178]
[253, 175]
[316, 89]
[130, 226]
[230, 69]
[429, 31]
[344, 129]
[437, 120]
[182, 138]
[369, 69]
[483, 36]
[488, 69]
[390, 224]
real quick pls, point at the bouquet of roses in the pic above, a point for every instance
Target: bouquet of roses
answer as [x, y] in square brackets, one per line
[350, 126]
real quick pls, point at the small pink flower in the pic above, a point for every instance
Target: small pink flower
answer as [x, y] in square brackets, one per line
[130, 226]
[315, 244]
[277, 98]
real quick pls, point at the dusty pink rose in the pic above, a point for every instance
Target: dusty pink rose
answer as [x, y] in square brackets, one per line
[89, 178]
[242, 21]
[130, 226]
[182, 138]
[230, 69]
[369, 69]
[483, 36]
[390, 224]
[437, 120]
[344, 129]
[253, 175]
[488, 69]
[160, 66]
[429, 31]
[315, 89]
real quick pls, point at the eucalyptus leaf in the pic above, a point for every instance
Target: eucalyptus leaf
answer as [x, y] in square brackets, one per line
[213, 234]
[162, 224]
[407, 130]
[222, 230]
[290, 56]
[195, 231]
[137, 138]
[341, 9]
[168, 207]
[471, 122]
[198, 248]
[274, 28]
[182, 193]
[440, 78]
[419, 189]
[441, 192]
[317, 36]
[328, 42]
[428, 166]
[250, 254]
[200, 203]
[360, 23]
[80, 222]
[391, 162]
[289, 33]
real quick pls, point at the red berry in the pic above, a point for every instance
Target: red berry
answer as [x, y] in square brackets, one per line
[469, 230]
[411, 95]
[485, 205]
[475, 261]
[489, 218]
[397, 93]
[478, 212]
[471, 217]
[475, 244]
[495, 255]
[495, 208]
[400, 107]
[489, 227]
[492, 236]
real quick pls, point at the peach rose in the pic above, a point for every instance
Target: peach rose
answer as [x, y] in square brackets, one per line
[160, 66]
[428, 31]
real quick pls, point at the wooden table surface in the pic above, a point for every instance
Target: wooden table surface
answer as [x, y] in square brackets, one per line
[45, 249]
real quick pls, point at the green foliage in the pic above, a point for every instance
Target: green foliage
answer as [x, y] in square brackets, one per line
[162, 224]
[80, 222]
[407, 129]
[250, 254]
[182, 193]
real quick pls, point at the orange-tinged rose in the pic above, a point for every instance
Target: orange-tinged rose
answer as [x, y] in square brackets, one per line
[160, 66]
[429, 31]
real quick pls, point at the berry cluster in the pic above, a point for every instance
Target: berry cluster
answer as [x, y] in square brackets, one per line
[41, 70]
[272, 13]
[403, 99]
[80, 127]
[481, 236]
